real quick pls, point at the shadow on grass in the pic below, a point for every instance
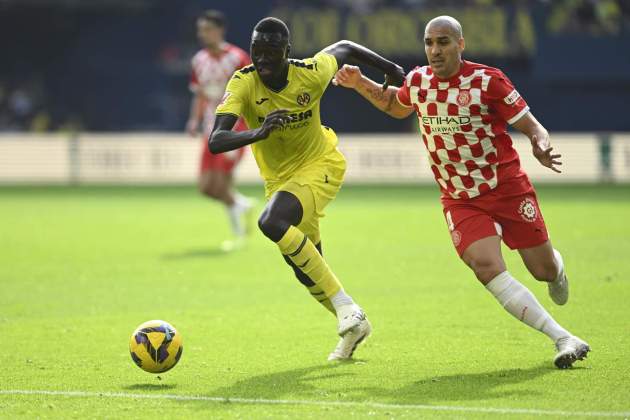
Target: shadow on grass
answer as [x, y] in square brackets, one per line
[149, 387]
[301, 383]
[320, 383]
[195, 253]
[465, 387]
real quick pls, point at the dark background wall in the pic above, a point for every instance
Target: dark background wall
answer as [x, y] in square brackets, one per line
[106, 65]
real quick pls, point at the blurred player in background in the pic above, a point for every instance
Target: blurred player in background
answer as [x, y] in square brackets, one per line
[463, 110]
[297, 156]
[212, 67]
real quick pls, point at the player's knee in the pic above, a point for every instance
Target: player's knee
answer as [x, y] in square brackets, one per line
[485, 268]
[271, 226]
[204, 190]
[212, 191]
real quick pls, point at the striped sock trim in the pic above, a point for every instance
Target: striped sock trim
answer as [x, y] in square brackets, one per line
[299, 248]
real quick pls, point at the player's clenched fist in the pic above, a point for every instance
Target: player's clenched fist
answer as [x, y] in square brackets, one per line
[347, 76]
[273, 121]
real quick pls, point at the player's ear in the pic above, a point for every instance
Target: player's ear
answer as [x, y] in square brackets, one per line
[462, 44]
[286, 54]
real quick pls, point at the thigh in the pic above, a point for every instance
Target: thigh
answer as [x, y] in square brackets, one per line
[222, 180]
[323, 179]
[468, 224]
[521, 220]
[308, 221]
[295, 204]
[207, 160]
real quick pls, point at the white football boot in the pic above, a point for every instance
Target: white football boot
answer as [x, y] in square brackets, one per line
[570, 349]
[348, 317]
[350, 340]
[559, 289]
[231, 245]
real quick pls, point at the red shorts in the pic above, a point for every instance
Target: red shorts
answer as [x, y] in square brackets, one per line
[510, 211]
[223, 162]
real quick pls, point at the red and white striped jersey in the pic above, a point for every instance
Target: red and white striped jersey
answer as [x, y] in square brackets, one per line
[210, 74]
[463, 122]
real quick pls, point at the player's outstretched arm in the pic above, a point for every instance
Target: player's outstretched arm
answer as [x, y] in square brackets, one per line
[348, 52]
[539, 138]
[385, 100]
[223, 139]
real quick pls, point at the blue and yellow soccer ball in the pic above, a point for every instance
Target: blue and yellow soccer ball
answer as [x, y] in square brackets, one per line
[156, 346]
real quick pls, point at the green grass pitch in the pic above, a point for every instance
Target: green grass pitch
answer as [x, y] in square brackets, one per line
[81, 267]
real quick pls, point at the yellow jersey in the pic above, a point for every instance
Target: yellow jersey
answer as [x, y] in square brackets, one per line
[302, 141]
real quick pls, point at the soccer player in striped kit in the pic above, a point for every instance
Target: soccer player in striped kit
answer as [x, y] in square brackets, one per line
[212, 67]
[463, 109]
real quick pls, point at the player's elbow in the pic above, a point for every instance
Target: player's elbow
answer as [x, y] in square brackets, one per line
[399, 114]
[342, 50]
[396, 115]
[343, 44]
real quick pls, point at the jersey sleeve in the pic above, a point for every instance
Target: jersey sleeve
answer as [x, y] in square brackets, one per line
[403, 93]
[505, 99]
[325, 68]
[235, 96]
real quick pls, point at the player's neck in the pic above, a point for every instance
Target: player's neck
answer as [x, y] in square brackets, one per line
[453, 72]
[280, 81]
[215, 49]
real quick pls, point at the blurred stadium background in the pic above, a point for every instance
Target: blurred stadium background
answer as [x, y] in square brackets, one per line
[96, 91]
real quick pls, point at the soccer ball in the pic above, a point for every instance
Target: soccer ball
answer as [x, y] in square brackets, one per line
[155, 346]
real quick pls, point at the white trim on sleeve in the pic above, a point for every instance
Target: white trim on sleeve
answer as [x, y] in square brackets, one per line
[518, 116]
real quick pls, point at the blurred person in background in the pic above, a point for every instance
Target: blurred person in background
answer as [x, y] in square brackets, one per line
[463, 110]
[212, 67]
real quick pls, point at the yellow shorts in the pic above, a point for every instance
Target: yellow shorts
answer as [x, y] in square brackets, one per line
[315, 186]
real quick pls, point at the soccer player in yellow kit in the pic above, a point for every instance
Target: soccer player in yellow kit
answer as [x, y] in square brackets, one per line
[297, 156]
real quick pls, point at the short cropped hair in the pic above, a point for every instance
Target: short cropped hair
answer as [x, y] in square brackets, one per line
[214, 16]
[272, 25]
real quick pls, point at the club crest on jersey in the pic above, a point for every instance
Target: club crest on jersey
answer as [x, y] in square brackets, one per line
[303, 99]
[456, 236]
[527, 210]
[226, 95]
[464, 98]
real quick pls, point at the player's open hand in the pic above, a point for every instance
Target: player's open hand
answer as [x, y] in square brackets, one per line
[395, 77]
[275, 120]
[347, 76]
[542, 151]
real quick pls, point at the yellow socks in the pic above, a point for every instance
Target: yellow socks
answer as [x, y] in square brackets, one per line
[320, 296]
[303, 253]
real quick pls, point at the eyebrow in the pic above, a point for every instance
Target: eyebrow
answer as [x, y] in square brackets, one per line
[439, 38]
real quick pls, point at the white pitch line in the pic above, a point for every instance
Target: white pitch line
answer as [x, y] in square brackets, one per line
[354, 404]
